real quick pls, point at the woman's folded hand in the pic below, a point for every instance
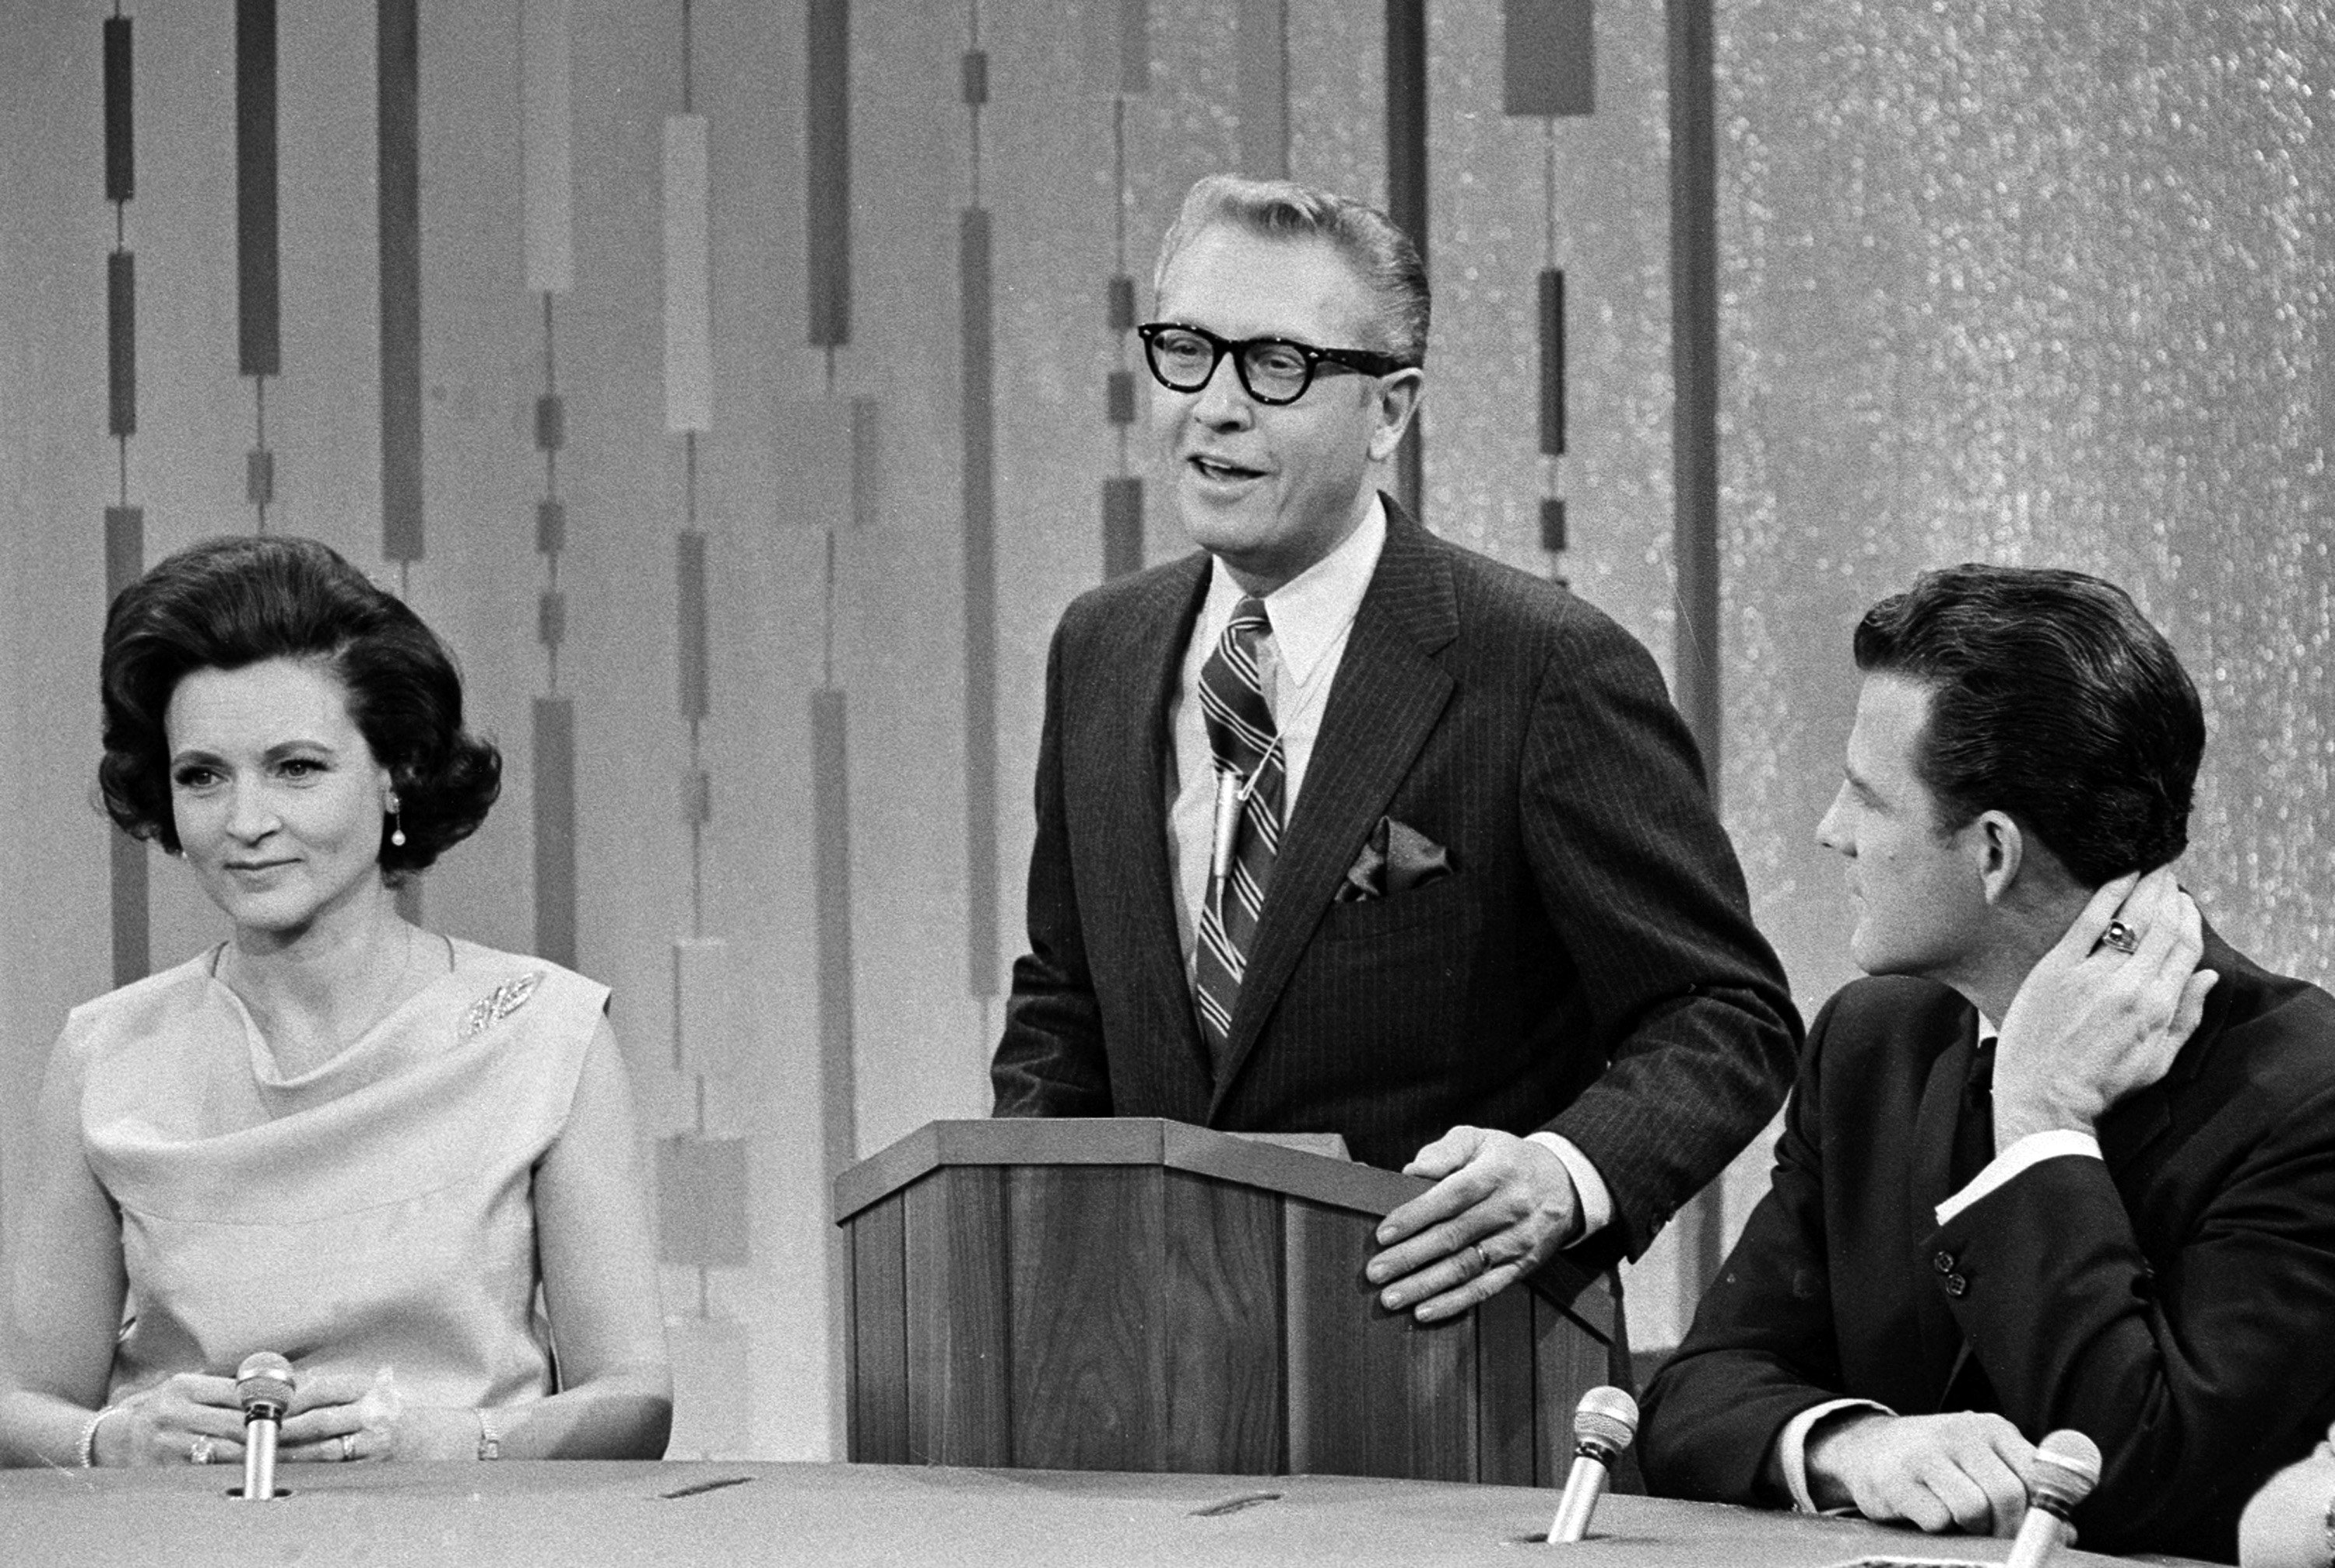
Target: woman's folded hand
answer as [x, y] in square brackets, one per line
[191, 1419]
[340, 1417]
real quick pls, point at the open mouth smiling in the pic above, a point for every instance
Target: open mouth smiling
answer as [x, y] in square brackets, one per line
[1218, 469]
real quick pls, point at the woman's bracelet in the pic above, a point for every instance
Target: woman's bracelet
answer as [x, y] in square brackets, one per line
[88, 1437]
[490, 1439]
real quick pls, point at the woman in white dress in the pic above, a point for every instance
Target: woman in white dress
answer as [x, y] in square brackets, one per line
[405, 1162]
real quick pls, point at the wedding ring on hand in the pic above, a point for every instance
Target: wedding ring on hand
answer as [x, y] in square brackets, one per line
[2121, 937]
[348, 1447]
[1483, 1258]
[199, 1452]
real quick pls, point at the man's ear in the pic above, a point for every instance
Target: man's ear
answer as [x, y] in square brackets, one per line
[1397, 399]
[2000, 849]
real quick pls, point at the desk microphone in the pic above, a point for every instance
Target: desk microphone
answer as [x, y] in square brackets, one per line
[263, 1385]
[2067, 1469]
[1601, 1427]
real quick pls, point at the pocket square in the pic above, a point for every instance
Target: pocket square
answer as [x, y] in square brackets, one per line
[1395, 858]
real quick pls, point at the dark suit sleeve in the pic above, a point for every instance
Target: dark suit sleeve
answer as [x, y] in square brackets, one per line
[1762, 1347]
[1049, 1060]
[2191, 1373]
[1684, 997]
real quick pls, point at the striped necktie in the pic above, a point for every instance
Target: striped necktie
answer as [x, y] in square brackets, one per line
[1248, 749]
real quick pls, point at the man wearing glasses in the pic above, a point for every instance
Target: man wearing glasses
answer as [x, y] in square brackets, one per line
[1343, 829]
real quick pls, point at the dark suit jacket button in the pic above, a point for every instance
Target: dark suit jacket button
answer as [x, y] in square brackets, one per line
[1943, 1262]
[1956, 1284]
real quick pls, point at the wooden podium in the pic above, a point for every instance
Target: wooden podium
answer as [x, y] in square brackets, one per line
[1136, 1294]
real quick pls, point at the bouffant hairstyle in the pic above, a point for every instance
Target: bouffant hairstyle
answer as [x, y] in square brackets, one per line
[225, 604]
[2052, 698]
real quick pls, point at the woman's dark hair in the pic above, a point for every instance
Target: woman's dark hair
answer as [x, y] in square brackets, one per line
[225, 604]
[2052, 698]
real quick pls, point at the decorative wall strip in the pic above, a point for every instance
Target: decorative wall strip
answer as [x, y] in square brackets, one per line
[830, 811]
[688, 281]
[703, 1182]
[1264, 87]
[548, 205]
[976, 358]
[399, 137]
[1694, 456]
[827, 163]
[839, 432]
[547, 197]
[1548, 70]
[837, 447]
[121, 343]
[125, 525]
[553, 751]
[1406, 129]
[1122, 489]
[259, 347]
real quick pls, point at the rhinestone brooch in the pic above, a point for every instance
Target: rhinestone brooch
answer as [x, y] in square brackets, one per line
[495, 1006]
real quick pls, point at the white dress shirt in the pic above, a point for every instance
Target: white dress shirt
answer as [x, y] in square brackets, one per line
[1311, 616]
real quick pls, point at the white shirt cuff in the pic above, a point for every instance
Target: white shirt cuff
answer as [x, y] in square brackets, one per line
[1792, 1447]
[1588, 1186]
[2033, 1149]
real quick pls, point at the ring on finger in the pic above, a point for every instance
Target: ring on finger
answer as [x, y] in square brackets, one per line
[348, 1447]
[2121, 937]
[1483, 1258]
[199, 1451]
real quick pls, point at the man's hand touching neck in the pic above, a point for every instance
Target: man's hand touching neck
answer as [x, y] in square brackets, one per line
[2091, 1023]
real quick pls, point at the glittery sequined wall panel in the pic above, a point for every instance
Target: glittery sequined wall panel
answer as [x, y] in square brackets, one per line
[2039, 285]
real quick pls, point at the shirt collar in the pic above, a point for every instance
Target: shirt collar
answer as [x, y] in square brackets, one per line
[1312, 610]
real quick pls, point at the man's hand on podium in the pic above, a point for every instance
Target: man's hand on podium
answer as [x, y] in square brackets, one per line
[1500, 1206]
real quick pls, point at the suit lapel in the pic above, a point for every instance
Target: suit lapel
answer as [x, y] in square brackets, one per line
[2133, 1128]
[2129, 1126]
[1930, 1182]
[1387, 696]
[1157, 634]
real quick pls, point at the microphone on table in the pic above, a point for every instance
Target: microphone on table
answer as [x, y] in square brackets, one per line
[1601, 1427]
[2067, 1469]
[263, 1385]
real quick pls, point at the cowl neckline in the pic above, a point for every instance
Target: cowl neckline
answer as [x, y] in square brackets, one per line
[396, 1039]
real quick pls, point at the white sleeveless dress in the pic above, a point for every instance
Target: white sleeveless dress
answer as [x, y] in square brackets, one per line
[376, 1212]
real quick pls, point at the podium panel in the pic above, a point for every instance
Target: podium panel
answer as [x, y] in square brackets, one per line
[1141, 1295]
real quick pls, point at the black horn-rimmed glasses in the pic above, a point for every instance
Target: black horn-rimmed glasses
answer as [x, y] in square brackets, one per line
[1273, 370]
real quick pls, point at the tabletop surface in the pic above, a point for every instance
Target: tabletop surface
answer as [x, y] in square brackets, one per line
[522, 1515]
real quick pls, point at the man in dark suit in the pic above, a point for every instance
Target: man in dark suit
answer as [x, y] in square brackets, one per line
[2070, 1164]
[1343, 829]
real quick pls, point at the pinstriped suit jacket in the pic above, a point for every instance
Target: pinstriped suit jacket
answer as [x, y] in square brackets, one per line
[1590, 966]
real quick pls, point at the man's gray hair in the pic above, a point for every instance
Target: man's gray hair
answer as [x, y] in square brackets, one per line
[1380, 254]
